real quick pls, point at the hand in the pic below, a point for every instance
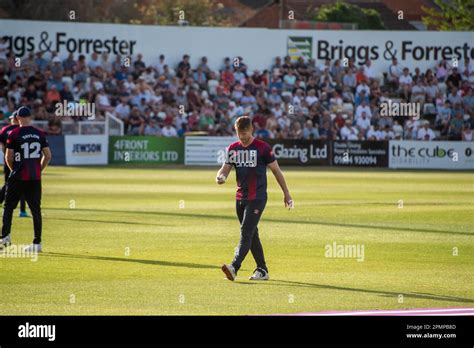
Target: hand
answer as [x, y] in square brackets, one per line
[288, 201]
[220, 179]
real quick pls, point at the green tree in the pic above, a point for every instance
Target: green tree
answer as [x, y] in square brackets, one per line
[195, 12]
[342, 12]
[158, 12]
[457, 15]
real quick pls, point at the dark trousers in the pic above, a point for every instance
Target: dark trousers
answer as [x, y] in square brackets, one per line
[6, 173]
[249, 213]
[31, 190]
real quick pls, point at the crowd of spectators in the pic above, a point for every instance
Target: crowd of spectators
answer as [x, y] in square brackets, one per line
[301, 99]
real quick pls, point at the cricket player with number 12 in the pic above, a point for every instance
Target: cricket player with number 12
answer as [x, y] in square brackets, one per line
[250, 157]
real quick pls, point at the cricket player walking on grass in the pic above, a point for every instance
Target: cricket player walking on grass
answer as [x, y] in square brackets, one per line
[250, 157]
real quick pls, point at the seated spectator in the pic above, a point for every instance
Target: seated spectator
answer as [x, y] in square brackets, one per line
[374, 133]
[135, 122]
[405, 83]
[456, 127]
[425, 133]
[169, 131]
[394, 73]
[349, 132]
[152, 128]
[363, 123]
[467, 132]
[54, 127]
[309, 131]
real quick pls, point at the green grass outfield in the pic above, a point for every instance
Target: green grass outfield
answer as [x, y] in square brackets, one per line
[175, 253]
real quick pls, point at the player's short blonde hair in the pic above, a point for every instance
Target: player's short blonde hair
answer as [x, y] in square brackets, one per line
[243, 123]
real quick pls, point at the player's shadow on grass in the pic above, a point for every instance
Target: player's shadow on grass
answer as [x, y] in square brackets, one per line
[277, 282]
[231, 217]
[110, 222]
[125, 259]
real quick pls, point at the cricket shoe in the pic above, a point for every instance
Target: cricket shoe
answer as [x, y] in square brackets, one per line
[33, 248]
[23, 214]
[259, 274]
[5, 242]
[229, 271]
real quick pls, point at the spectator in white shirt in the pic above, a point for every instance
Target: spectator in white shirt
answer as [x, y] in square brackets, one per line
[311, 98]
[369, 71]
[94, 62]
[169, 131]
[425, 133]
[418, 92]
[349, 132]
[394, 73]
[405, 82]
[363, 123]
[411, 128]
[160, 66]
[374, 133]
[363, 87]
[388, 134]
[363, 108]
[122, 110]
